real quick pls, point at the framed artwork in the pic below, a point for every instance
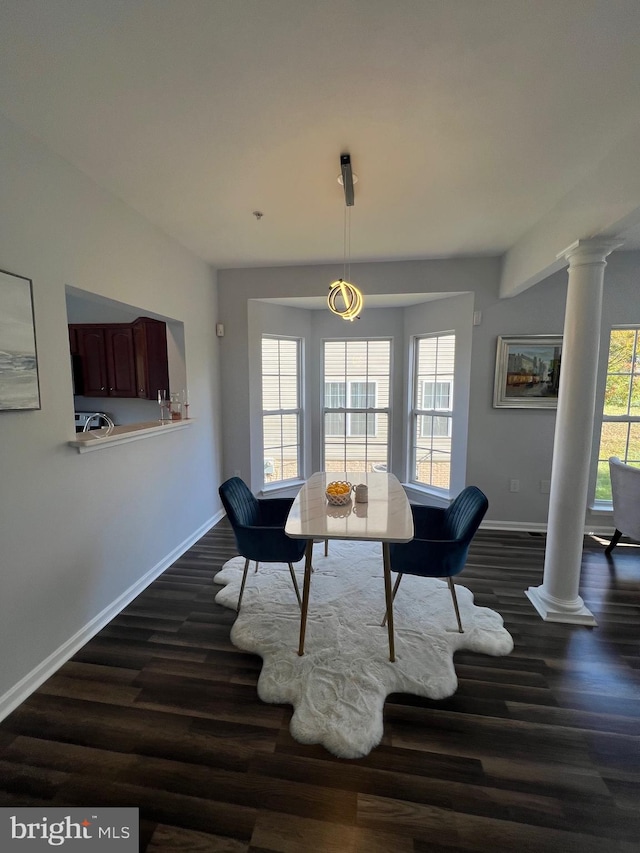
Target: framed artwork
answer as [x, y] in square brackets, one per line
[527, 372]
[19, 386]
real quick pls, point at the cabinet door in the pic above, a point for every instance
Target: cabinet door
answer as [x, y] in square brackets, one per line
[152, 367]
[92, 352]
[121, 369]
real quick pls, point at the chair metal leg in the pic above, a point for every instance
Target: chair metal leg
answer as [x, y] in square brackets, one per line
[257, 564]
[244, 580]
[326, 547]
[614, 541]
[295, 584]
[455, 603]
[393, 596]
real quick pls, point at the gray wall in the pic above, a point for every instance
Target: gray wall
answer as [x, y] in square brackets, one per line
[78, 531]
[502, 444]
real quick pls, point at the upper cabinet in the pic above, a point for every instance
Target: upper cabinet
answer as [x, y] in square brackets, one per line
[120, 359]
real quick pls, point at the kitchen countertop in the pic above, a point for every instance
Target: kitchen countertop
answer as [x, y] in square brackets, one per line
[98, 439]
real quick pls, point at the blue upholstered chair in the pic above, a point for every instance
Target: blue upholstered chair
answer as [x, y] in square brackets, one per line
[258, 527]
[441, 541]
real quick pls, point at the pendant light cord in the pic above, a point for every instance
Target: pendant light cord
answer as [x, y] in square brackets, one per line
[346, 237]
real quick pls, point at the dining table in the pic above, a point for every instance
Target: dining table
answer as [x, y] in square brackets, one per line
[384, 517]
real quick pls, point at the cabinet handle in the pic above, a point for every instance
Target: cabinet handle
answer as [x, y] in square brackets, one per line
[142, 390]
[102, 388]
[110, 389]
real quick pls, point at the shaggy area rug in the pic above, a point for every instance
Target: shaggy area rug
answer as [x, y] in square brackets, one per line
[338, 687]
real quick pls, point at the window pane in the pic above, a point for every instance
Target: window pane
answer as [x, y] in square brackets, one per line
[335, 424]
[270, 393]
[335, 358]
[362, 394]
[269, 356]
[621, 348]
[280, 447]
[634, 402]
[613, 440]
[616, 395]
[335, 395]
[633, 453]
[441, 469]
[288, 392]
[603, 482]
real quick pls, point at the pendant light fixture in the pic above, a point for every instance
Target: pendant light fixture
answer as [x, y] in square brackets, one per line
[345, 299]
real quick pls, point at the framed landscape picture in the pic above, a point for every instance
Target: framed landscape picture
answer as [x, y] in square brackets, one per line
[19, 387]
[527, 372]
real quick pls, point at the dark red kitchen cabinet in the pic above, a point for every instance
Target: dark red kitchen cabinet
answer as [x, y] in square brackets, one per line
[152, 364]
[91, 349]
[121, 359]
[121, 366]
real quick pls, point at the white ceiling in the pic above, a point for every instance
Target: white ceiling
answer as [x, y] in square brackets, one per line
[467, 120]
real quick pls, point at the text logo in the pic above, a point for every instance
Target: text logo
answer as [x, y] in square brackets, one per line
[103, 829]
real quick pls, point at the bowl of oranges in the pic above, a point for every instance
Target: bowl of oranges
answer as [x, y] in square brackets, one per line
[339, 492]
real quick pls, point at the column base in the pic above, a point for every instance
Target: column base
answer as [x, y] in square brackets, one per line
[557, 610]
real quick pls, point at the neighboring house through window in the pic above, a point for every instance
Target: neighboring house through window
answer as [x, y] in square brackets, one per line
[361, 395]
[436, 396]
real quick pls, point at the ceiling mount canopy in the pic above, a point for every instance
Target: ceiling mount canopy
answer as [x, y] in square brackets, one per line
[347, 179]
[345, 299]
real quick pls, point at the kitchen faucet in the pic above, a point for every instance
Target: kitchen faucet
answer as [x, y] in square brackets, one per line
[105, 417]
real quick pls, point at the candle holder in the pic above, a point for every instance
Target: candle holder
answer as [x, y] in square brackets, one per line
[175, 407]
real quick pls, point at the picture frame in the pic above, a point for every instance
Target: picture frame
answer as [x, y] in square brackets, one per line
[19, 381]
[527, 371]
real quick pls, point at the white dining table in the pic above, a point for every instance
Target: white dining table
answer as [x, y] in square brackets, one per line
[386, 517]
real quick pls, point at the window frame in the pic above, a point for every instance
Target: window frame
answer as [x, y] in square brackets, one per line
[603, 502]
[298, 411]
[347, 411]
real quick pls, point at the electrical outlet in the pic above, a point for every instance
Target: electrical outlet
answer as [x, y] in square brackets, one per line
[514, 485]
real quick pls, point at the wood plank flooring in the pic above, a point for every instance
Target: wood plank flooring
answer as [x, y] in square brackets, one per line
[536, 751]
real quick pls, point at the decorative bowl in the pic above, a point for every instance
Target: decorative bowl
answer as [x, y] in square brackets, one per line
[338, 492]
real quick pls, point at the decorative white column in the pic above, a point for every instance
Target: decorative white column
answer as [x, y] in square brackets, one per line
[557, 599]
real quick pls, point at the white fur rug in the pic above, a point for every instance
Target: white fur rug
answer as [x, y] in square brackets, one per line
[338, 687]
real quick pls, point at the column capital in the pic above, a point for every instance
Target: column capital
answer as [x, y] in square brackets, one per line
[590, 251]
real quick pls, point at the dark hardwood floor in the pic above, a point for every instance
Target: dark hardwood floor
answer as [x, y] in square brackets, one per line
[537, 751]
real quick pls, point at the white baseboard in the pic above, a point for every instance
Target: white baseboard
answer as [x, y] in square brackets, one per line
[25, 687]
[541, 527]
[521, 526]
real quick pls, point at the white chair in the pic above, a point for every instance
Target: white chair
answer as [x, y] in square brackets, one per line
[625, 490]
